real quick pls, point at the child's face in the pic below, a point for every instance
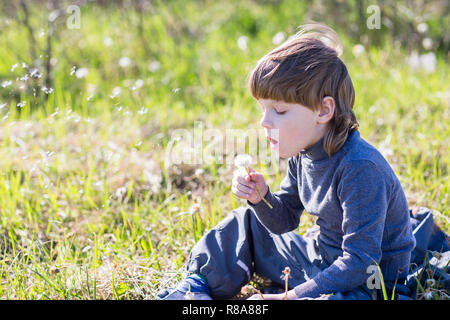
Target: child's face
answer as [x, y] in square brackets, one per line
[298, 126]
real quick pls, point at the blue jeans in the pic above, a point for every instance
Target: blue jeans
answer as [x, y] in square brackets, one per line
[229, 254]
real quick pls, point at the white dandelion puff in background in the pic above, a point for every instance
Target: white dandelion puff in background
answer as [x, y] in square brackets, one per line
[124, 62]
[426, 62]
[81, 73]
[242, 43]
[358, 50]
[278, 38]
[422, 27]
[116, 92]
[154, 66]
[107, 42]
[6, 83]
[427, 43]
[139, 83]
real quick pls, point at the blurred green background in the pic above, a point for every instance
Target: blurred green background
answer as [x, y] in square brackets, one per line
[92, 91]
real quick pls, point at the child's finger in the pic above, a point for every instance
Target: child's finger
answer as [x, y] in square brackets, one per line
[245, 189]
[240, 194]
[245, 181]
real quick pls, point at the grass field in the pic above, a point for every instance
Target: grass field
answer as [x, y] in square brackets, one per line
[89, 208]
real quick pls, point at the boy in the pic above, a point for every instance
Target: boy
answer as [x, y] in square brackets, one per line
[307, 96]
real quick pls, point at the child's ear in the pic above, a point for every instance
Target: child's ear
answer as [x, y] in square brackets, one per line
[327, 110]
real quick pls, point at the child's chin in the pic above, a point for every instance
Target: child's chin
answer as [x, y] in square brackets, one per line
[283, 156]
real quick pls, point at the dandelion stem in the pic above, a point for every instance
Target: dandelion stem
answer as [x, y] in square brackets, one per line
[259, 193]
[287, 274]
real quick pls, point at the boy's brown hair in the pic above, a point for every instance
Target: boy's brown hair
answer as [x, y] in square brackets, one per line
[304, 70]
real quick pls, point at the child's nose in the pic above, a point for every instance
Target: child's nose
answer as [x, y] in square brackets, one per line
[266, 122]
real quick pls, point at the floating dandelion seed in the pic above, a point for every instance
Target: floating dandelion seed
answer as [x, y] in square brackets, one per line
[244, 161]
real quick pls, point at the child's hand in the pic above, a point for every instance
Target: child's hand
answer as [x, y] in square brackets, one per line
[243, 185]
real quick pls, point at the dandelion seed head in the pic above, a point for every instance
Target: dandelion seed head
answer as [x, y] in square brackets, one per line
[116, 92]
[242, 160]
[189, 296]
[108, 42]
[6, 83]
[358, 50]
[278, 38]
[422, 27]
[427, 43]
[154, 66]
[139, 83]
[430, 282]
[81, 73]
[124, 62]
[242, 42]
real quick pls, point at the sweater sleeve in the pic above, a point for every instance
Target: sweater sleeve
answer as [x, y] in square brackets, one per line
[287, 207]
[362, 192]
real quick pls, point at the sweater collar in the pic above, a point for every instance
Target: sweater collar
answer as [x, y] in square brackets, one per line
[317, 150]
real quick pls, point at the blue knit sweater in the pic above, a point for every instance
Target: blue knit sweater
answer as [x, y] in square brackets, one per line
[361, 211]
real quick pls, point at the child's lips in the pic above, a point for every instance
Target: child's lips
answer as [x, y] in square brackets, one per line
[273, 141]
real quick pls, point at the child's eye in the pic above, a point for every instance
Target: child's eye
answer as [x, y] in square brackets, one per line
[281, 112]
